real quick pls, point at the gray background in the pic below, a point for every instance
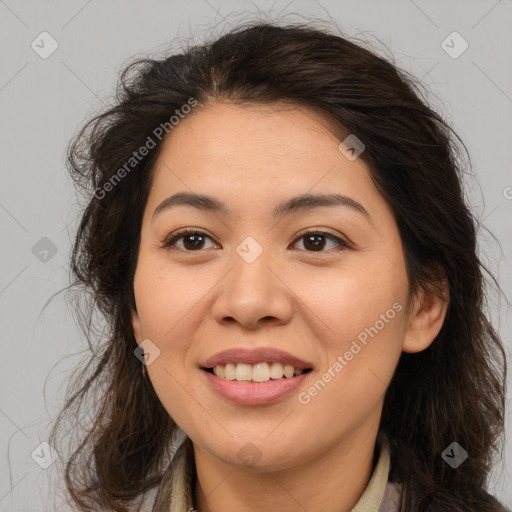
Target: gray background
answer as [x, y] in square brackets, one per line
[44, 101]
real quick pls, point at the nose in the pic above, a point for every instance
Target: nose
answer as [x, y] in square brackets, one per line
[253, 294]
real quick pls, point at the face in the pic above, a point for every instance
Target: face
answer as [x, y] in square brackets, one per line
[322, 288]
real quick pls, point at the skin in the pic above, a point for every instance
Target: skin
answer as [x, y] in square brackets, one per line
[194, 302]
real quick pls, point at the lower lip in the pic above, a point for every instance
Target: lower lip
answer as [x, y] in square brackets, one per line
[255, 393]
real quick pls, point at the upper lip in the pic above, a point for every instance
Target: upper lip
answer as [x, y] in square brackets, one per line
[255, 356]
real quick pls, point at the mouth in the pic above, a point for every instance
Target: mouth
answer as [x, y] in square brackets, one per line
[255, 377]
[260, 372]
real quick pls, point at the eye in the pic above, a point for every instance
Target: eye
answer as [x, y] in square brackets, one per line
[192, 238]
[316, 240]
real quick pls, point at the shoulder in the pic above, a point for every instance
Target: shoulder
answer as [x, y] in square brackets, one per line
[391, 501]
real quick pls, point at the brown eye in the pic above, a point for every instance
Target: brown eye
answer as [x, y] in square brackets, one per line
[315, 241]
[192, 240]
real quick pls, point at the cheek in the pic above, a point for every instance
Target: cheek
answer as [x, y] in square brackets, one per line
[343, 302]
[359, 314]
[172, 303]
[166, 298]
[359, 364]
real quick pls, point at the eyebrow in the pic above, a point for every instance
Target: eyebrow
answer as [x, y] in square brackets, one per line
[304, 202]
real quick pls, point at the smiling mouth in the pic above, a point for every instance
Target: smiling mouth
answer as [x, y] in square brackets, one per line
[260, 372]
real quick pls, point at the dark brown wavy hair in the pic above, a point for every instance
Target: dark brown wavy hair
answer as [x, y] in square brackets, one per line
[452, 391]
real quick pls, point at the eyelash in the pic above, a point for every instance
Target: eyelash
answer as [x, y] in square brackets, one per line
[180, 234]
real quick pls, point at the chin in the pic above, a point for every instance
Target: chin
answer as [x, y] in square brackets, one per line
[257, 452]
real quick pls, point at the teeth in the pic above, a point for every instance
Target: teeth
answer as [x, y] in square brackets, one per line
[261, 372]
[229, 371]
[220, 372]
[243, 372]
[276, 371]
[288, 371]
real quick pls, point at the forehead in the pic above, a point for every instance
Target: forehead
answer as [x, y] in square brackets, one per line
[253, 138]
[260, 154]
[224, 128]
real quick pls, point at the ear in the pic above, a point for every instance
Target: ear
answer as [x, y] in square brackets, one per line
[137, 330]
[426, 318]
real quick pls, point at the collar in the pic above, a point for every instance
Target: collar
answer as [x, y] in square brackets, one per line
[175, 490]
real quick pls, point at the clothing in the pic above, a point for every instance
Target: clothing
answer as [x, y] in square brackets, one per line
[175, 490]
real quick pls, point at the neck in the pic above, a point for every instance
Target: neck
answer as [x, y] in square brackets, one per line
[334, 480]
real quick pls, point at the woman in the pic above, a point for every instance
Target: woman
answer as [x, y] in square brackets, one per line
[277, 237]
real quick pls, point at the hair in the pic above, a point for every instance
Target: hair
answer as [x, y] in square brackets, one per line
[452, 391]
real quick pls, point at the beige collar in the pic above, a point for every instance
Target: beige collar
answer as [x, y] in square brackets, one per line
[175, 491]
